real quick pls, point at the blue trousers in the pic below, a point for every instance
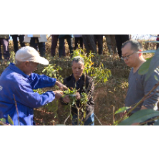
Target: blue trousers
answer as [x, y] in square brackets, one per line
[89, 121]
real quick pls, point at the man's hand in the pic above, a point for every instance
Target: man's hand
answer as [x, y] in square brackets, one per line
[66, 99]
[78, 96]
[58, 94]
[61, 86]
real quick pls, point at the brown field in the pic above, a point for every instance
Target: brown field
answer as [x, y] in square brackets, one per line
[108, 97]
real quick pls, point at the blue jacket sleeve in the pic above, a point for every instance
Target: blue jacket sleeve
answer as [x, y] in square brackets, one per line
[24, 94]
[41, 81]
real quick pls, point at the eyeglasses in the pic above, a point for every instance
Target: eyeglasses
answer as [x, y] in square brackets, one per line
[127, 57]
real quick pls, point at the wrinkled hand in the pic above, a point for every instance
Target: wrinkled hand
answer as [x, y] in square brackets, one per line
[78, 96]
[66, 99]
[58, 94]
[61, 86]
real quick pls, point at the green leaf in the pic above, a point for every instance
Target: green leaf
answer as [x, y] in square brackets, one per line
[157, 122]
[10, 120]
[3, 120]
[121, 109]
[156, 78]
[144, 67]
[153, 64]
[140, 116]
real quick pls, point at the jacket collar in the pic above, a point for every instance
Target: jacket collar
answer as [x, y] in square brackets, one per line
[16, 69]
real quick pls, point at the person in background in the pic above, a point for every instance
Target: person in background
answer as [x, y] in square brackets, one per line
[111, 43]
[16, 87]
[138, 87]
[15, 41]
[78, 40]
[4, 41]
[37, 42]
[89, 43]
[99, 39]
[119, 40]
[157, 39]
[54, 45]
[61, 44]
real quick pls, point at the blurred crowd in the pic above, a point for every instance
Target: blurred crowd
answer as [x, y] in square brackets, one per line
[89, 42]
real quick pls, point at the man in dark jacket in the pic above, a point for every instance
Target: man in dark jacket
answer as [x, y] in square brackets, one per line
[83, 84]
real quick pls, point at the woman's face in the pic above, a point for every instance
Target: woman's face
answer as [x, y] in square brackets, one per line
[77, 69]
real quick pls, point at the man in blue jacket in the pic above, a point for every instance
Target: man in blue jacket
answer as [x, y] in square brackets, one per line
[18, 81]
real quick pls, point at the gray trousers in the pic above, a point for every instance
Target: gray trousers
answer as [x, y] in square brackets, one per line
[5, 44]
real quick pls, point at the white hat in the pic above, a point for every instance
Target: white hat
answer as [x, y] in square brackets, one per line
[30, 54]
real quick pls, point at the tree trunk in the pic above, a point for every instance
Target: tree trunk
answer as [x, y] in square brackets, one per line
[89, 42]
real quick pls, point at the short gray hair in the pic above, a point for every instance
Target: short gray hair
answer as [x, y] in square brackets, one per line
[17, 62]
[78, 59]
[135, 45]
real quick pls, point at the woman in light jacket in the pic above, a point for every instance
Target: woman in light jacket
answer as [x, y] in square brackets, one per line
[37, 41]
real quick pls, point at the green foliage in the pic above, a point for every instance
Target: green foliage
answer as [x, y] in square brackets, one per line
[3, 120]
[10, 120]
[140, 116]
[53, 71]
[98, 73]
[145, 67]
[84, 98]
[71, 94]
[120, 110]
[153, 64]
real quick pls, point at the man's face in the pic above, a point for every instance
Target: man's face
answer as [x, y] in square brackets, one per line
[77, 69]
[30, 67]
[130, 56]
